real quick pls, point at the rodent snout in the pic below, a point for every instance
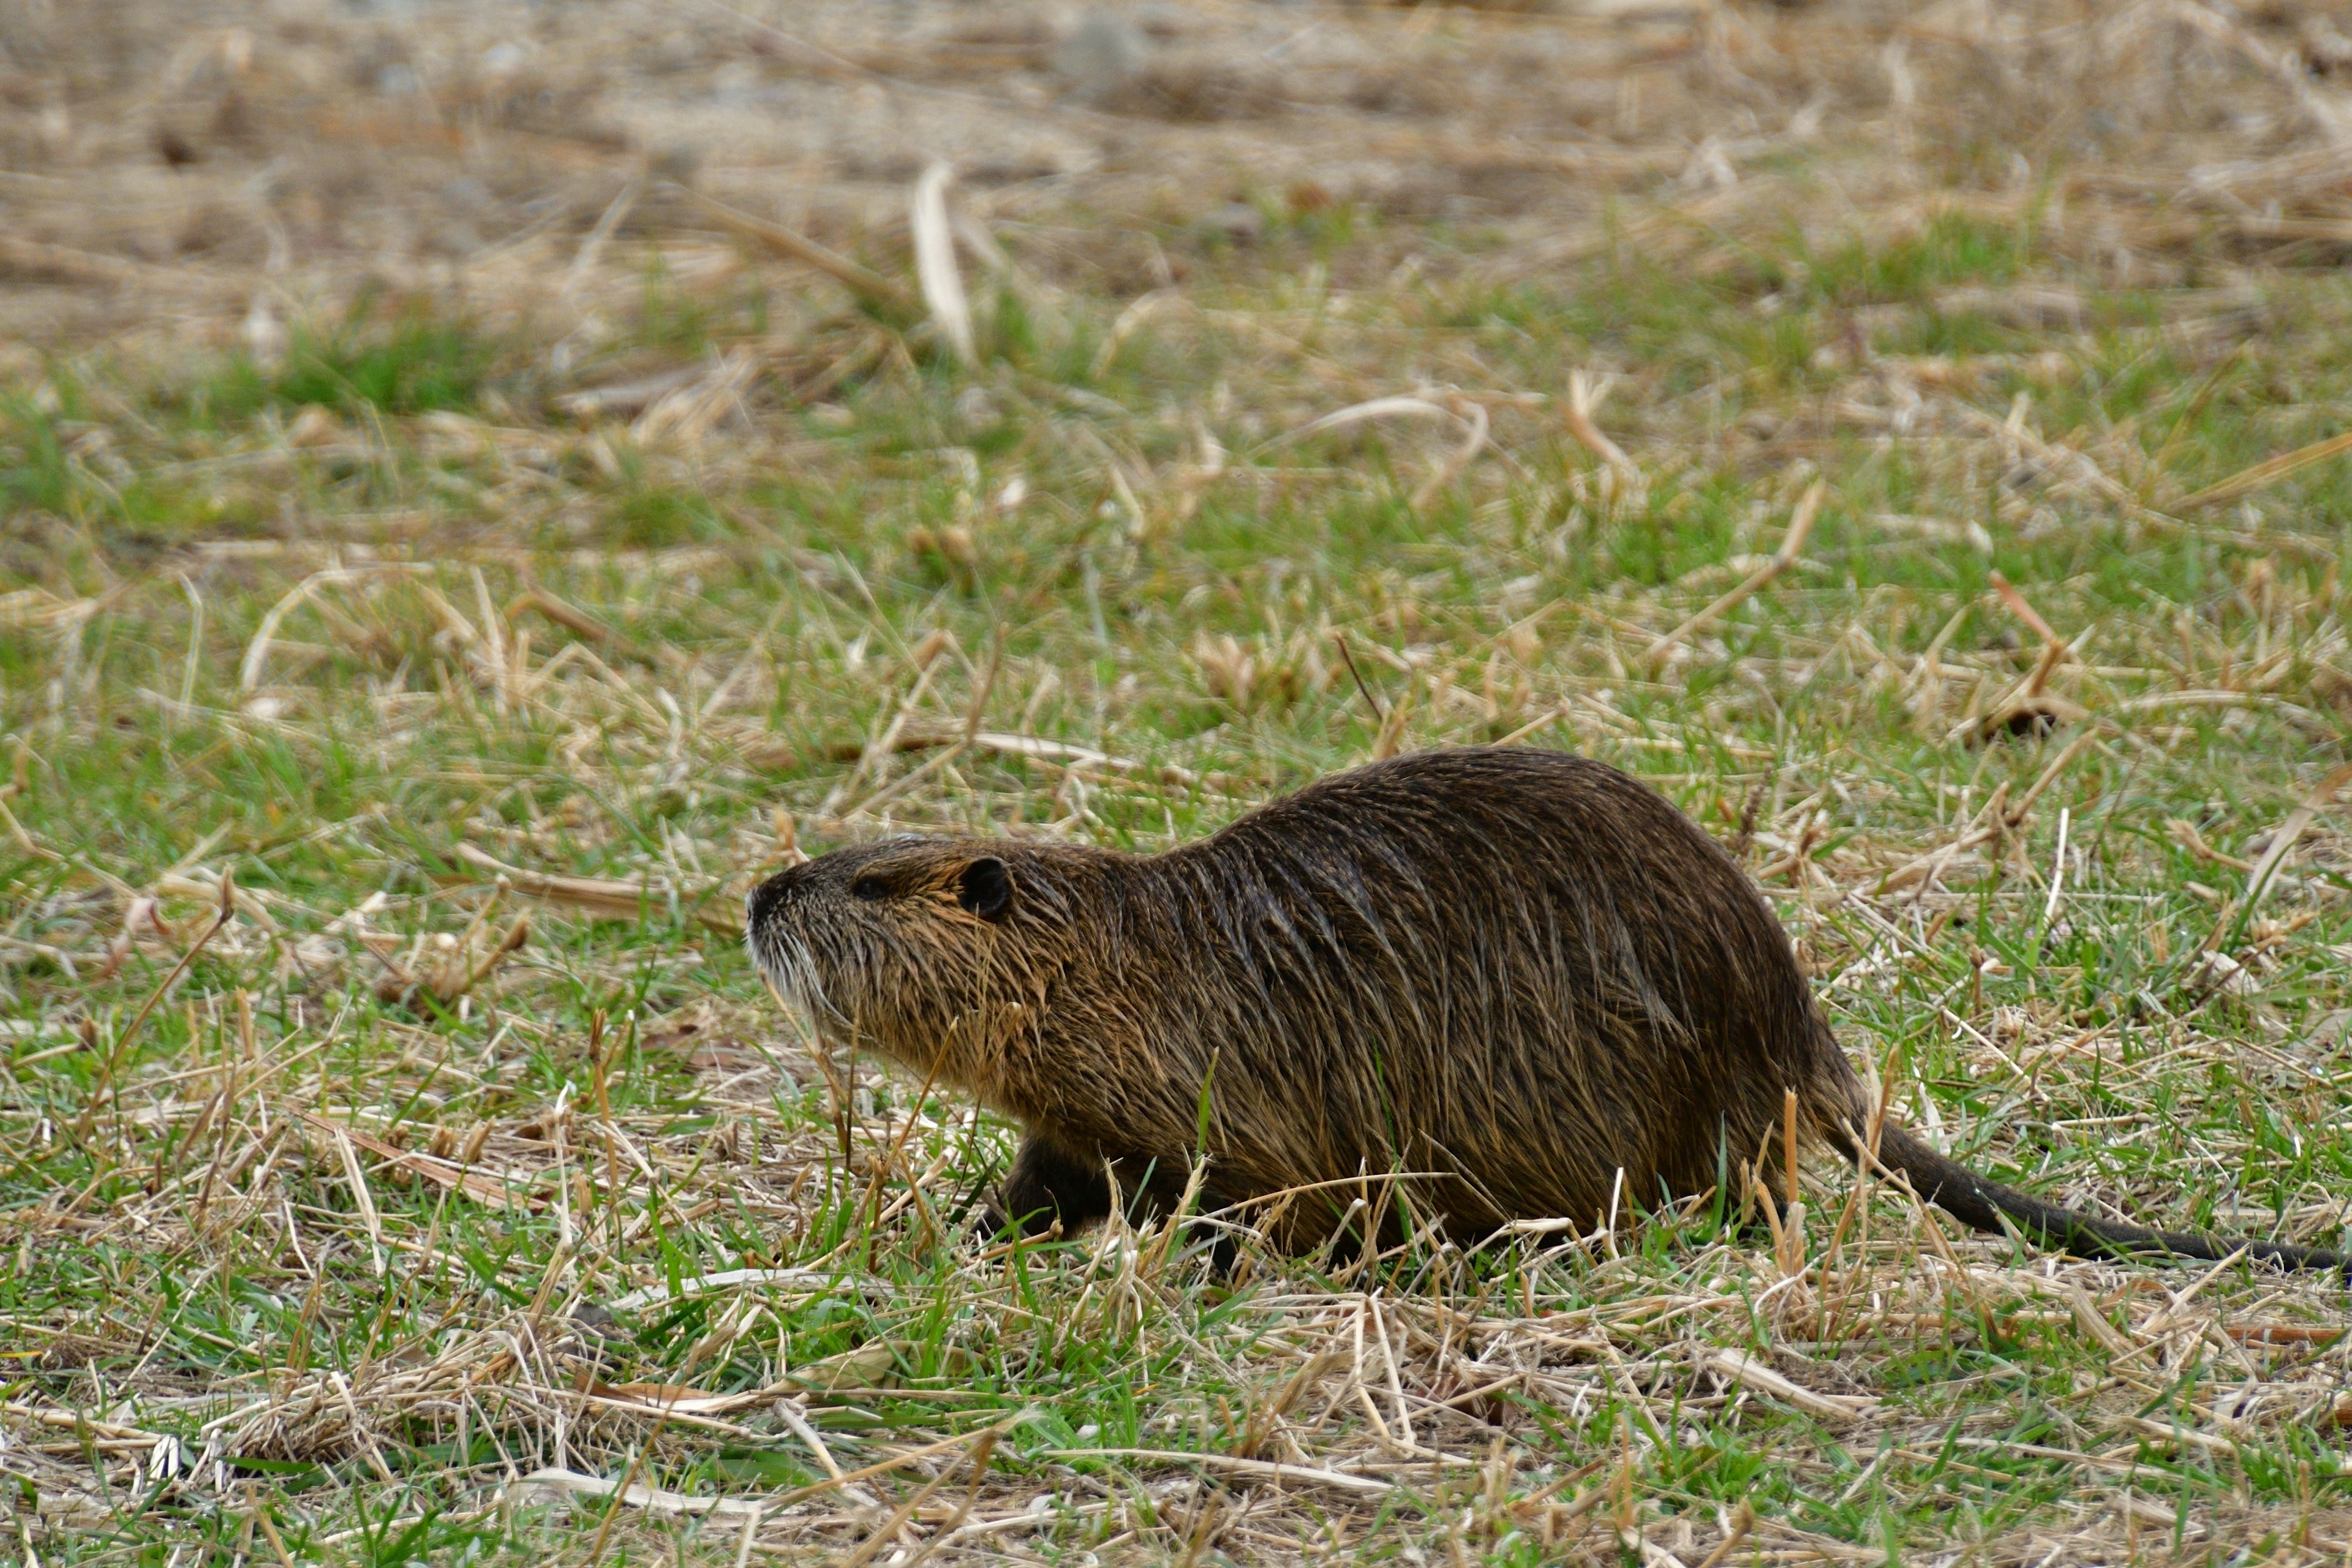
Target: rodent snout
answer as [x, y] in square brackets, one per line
[767, 898]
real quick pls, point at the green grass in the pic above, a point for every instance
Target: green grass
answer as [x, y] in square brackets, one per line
[190, 1260]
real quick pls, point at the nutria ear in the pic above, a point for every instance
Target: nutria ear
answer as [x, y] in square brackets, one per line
[987, 889]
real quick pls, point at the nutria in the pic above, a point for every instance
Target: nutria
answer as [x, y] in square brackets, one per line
[1518, 982]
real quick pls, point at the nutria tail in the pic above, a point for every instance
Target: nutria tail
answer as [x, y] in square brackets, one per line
[1974, 1201]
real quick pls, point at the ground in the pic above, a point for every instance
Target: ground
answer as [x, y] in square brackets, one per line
[480, 486]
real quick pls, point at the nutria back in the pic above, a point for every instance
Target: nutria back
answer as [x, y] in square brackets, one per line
[1519, 968]
[1514, 976]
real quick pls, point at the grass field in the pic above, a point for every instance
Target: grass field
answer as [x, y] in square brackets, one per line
[1909, 442]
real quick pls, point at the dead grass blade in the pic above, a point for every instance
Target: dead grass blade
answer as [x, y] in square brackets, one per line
[887, 1530]
[363, 1199]
[220, 923]
[989, 1435]
[455, 1175]
[615, 213]
[1997, 818]
[447, 975]
[257, 652]
[2265, 474]
[1393, 407]
[1586, 392]
[637, 1495]
[613, 897]
[1347, 655]
[935, 262]
[1801, 524]
[604, 895]
[1134, 315]
[1738, 1366]
[1474, 441]
[1743, 1520]
[31, 258]
[2030, 705]
[726, 1279]
[2282, 839]
[2025, 612]
[862, 281]
[569, 617]
[1265, 1471]
[946, 1533]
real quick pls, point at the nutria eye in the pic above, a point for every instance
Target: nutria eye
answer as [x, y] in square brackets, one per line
[869, 888]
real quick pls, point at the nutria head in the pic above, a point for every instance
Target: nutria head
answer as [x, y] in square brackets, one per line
[922, 948]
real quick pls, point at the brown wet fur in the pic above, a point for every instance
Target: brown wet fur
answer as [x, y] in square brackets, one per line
[1508, 973]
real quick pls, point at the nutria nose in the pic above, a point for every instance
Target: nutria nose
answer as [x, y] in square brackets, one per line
[766, 897]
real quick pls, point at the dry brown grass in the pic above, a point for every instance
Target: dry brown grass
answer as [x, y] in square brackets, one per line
[1657, 380]
[160, 176]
